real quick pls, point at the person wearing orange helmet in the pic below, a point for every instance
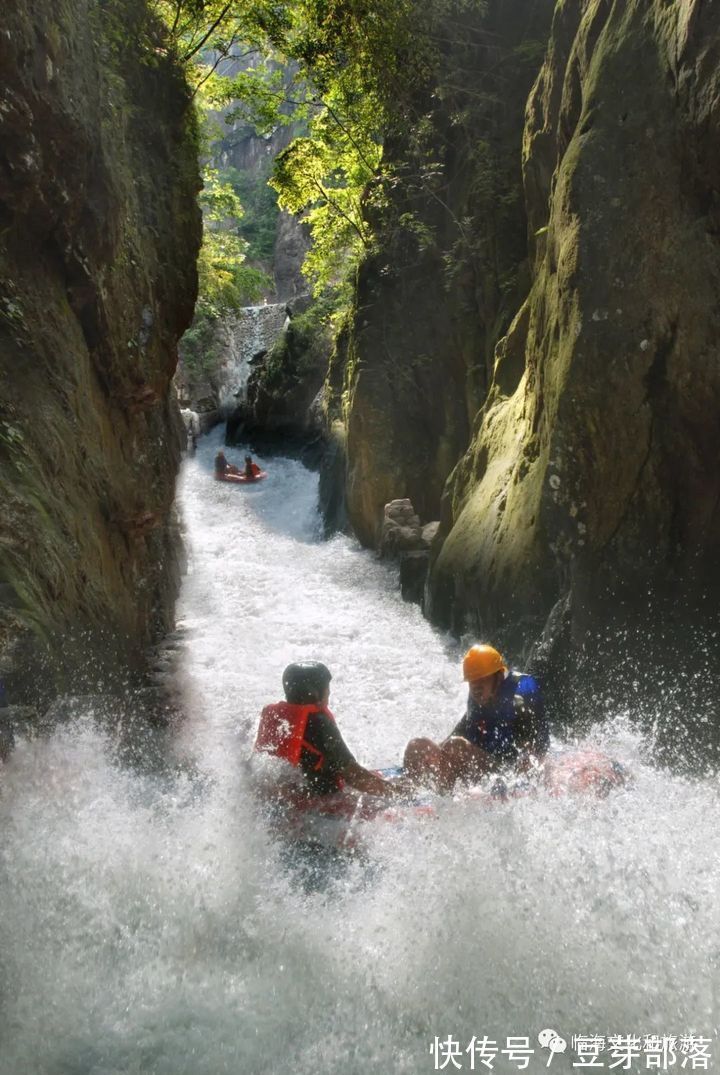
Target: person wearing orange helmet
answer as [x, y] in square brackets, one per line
[504, 723]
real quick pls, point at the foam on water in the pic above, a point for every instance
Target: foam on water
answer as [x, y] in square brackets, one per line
[147, 923]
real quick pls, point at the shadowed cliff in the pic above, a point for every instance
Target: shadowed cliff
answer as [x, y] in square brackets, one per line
[591, 483]
[98, 240]
[555, 399]
[450, 270]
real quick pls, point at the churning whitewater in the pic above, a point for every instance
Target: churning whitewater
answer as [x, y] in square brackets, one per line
[150, 922]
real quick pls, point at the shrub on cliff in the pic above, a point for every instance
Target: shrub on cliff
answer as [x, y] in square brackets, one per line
[225, 282]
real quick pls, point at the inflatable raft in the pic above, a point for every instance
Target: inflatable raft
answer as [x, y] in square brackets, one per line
[241, 479]
[337, 821]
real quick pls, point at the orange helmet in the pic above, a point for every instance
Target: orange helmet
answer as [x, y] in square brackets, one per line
[481, 661]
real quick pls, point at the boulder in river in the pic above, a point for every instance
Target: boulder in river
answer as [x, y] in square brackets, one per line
[401, 529]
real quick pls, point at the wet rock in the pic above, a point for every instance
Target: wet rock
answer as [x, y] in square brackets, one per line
[313, 452]
[413, 574]
[401, 530]
[430, 535]
[7, 741]
[332, 480]
[15, 721]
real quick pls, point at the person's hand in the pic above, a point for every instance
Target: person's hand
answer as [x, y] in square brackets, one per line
[403, 788]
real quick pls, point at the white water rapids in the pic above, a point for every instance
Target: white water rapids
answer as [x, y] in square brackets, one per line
[148, 924]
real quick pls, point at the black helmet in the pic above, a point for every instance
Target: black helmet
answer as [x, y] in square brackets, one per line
[305, 682]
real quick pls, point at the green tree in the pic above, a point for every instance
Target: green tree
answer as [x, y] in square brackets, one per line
[258, 225]
[225, 282]
[356, 71]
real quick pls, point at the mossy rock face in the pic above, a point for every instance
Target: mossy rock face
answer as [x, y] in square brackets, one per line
[593, 475]
[98, 183]
[285, 384]
[289, 379]
[450, 271]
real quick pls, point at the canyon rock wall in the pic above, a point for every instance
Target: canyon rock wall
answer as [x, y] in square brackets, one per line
[590, 493]
[98, 241]
[283, 408]
[537, 360]
[450, 272]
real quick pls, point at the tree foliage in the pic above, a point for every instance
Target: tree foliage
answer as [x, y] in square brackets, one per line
[358, 59]
[349, 69]
[225, 282]
[258, 225]
[197, 28]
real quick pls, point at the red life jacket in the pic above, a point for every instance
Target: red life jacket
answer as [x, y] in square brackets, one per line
[282, 732]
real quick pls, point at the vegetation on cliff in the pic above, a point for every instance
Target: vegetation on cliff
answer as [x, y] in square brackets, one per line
[356, 69]
[225, 281]
[355, 75]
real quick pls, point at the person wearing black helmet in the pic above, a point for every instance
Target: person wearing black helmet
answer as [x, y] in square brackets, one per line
[302, 730]
[222, 467]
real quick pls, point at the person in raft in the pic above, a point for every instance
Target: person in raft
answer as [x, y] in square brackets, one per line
[251, 470]
[222, 467]
[302, 730]
[504, 724]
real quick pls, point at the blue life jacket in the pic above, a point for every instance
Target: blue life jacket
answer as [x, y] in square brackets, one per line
[494, 727]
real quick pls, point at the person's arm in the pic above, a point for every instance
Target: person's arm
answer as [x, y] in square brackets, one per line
[370, 783]
[340, 761]
[533, 735]
[461, 729]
